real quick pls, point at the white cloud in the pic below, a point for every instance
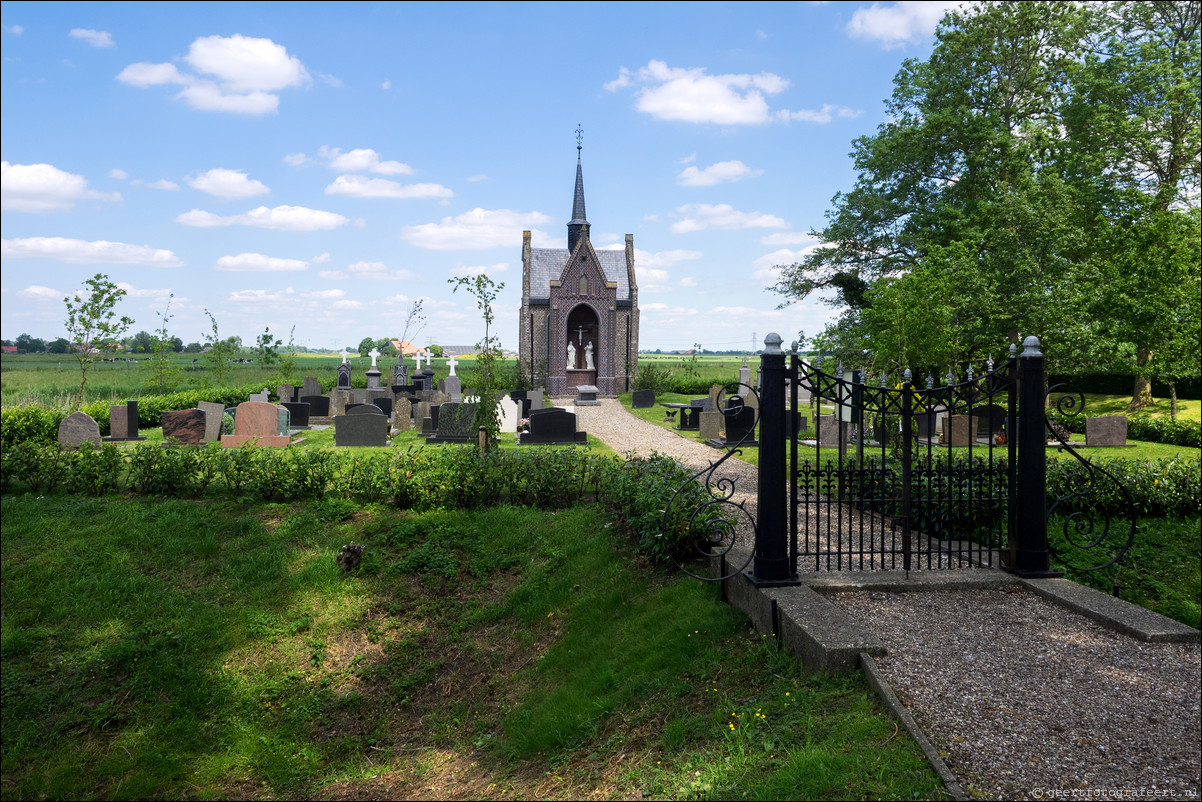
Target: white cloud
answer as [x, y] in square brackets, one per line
[160, 295]
[347, 304]
[662, 307]
[361, 160]
[767, 266]
[478, 177]
[788, 238]
[256, 296]
[899, 24]
[333, 275]
[228, 184]
[358, 186]
[718, 173]
[36, 292]
[94, 38]
[320, 259]
[378, 271]
[650, 278]
[691, 95]
[687, 281]
[281, 218]
[15, 30]
[664, 258]
[246, 72]
[700, 216]
[163, 183]
[82, 252]
[325, 295]
[257, 262]
[386, 85]
[118, 174]
[44, 188]
[824, 115]
[475, 230]
[481, 270]
[296, 159]
[330, 80]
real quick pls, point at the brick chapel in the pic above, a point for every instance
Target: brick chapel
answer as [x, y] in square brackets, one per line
[579, 322]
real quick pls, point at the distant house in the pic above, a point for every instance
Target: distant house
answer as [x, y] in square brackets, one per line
[407, 348]
[9, 349]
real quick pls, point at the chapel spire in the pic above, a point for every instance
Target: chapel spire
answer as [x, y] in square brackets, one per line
[579, 223]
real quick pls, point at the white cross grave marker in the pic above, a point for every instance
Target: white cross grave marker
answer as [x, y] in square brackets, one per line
[418, 358]
[345, 353]
[373, 353]
[451, 363]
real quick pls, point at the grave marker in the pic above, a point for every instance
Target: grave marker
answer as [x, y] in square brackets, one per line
[78, 428]
[258, 423]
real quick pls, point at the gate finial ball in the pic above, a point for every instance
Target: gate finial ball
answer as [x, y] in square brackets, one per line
[772, 343]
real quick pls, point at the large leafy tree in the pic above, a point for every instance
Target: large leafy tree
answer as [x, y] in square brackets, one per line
[1014, 186]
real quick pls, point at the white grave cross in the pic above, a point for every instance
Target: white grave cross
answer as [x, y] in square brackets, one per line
[373, 353]
[345, 353]
[451, 363]
[418, 359]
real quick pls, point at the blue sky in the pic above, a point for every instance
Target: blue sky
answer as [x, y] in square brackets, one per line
[324, 165]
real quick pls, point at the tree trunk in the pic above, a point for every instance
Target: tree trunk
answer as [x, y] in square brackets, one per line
[1173, 400]
[1142, 394]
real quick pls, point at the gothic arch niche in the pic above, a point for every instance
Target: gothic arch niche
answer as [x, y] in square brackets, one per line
[582, 337]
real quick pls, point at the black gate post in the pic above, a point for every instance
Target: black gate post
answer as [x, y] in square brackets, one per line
[1031, 558]
[772, 566]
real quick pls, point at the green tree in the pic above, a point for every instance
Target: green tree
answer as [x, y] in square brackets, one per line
[435, 350]
[485, 379]
[141, 343]
[164, 373]
[92, 320]
[219, 353]
[267, 348]
[365, 346]
[60, 346]
[288, 356]
[28, 344]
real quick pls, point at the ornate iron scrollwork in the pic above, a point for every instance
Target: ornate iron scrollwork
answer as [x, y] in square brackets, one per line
[713, 525]
[1085, 529]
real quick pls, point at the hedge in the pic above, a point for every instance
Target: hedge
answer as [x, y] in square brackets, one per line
[1143, 427]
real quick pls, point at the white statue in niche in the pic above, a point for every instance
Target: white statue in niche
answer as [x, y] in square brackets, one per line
[588, 356]
[571, 356]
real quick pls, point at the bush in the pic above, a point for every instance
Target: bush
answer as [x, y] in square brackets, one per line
[1170, 486]
[31, 423]
[1143, 427]
[640, 491]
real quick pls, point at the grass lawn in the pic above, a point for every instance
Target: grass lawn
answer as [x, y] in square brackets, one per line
[167, 648]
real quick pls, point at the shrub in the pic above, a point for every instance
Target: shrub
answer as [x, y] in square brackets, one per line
[1169, 486]
[31, 423]
[640, 490]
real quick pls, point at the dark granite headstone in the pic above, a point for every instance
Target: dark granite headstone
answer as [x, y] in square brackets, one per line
[924, 425]
[364, 429]
[344, 376]
[310, 386]
[77, 428]
[456, 423]
[319, 405]
[123, 422]
[642, 399]
[739, 422]
[990, 419]
[363, 409]
[551, 426]
[185, 426]
[300, 414]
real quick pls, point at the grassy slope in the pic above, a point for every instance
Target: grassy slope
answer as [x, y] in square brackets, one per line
[165, 648]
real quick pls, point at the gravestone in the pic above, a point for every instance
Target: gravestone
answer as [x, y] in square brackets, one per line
[744, 378]
[511, 414]
[77, 428]
[958, 430]
[642, 399]
[283, 420]
[310, 386]
[536, 399]
[214, 414]
[795, 423]
[990, 418]
[364, 409]
[258, 423]
[456, 423]
[185, 426]
[384, 403]
[1106, 430]
[925, 425]
[358, 395]
[366, 429]
[830, 430]
[344, 377]
[453, 388]
[263, 397]
[552, 426]
[123, 423]
[339, 398]
[299, 412]
[402, 414]
[739, 422]
[400, 372]
[319, 405]
[586, 396]
[286, 393]
[710, 425]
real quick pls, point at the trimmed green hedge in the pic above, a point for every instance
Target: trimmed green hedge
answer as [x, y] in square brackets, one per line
[1165, 487]
[1143, 427]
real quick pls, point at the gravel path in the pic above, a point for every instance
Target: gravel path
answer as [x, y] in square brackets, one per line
[1023, 698]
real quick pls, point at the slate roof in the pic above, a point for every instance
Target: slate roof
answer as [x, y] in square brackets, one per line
[546, 264]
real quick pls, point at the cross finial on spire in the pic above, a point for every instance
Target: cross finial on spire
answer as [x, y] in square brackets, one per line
[579, 136]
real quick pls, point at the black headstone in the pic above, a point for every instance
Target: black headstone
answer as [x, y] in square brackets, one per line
[551, 426]
[319, 405]
[456, 423]
[642, 399]
[364, 409]
[991, 419]
[361, 430]
[344, 376]
[299, 412]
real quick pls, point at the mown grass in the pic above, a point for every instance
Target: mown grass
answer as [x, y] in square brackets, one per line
[156, 648]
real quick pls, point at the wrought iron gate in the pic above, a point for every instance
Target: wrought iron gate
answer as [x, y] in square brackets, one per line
[886, 475]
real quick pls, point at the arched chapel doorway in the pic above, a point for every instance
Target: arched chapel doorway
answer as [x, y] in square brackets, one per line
[583, 350]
